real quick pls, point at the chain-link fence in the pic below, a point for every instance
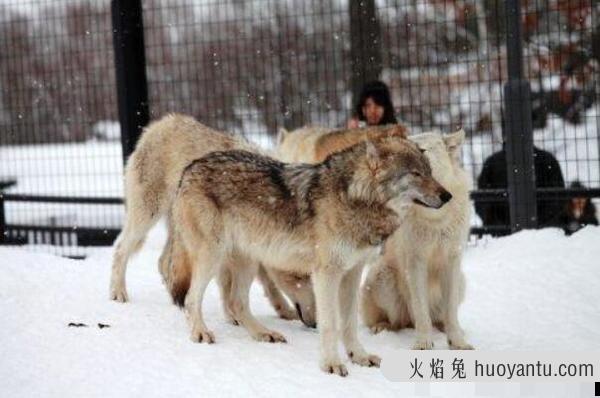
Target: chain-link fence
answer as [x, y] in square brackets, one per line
[252, 67]
[58, 154]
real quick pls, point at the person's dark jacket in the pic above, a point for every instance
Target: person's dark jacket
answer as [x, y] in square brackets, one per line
[493, 176]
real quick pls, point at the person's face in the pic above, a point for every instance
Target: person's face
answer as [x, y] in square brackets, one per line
[373, 113]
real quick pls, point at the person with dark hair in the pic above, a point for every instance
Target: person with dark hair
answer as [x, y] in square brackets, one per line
[579, 212]
[374, 106]
[547, 175]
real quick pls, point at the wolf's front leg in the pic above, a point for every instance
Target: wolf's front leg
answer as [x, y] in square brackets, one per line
[452, 291]
[326, 282]
[348, 302]
[419, 302]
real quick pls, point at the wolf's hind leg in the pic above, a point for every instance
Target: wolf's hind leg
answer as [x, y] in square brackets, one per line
[225, 280]
[373, 315]
[279, 303]
[206, 262]
[129, 242]
[243, 274]
[207, 259]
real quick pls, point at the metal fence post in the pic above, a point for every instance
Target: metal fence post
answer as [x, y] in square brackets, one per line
[130, 63]
[2, 220]
[518, 131]
[365, 44]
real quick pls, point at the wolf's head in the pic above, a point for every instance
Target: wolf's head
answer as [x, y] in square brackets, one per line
[299, 289]
[397, 171]
[443, 153]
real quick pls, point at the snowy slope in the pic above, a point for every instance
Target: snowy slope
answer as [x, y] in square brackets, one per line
[532, 290]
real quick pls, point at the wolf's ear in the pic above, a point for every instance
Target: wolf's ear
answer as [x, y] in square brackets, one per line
[373, 158]
[281, 136]
[397, 130]
[454, 142]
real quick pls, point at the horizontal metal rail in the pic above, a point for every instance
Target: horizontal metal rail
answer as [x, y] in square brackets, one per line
[11, 197]
[94, 236]
[500, 195]
[17, 234]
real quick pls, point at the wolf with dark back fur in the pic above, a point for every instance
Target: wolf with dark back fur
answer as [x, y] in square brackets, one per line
[326, 220]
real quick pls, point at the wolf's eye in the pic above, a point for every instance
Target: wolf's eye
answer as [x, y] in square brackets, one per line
[417, 173]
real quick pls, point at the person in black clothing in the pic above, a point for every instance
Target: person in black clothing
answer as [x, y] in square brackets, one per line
[493, 176]
[374, 106]
[578, 213]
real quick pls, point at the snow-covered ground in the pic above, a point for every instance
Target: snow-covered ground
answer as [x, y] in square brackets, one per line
[535, 290]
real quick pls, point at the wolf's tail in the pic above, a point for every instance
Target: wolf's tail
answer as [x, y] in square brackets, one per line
[175, 269]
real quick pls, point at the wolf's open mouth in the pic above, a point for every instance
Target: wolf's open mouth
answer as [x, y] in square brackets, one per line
[420, 203]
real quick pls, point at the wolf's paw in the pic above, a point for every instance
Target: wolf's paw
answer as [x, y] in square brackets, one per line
[201, 335]
[230, 319]
[439, 326]
[334, 367]
[270, 337]
[119, 293]
[459, 344]
[365, 359]
[379, 327]
[423, 344]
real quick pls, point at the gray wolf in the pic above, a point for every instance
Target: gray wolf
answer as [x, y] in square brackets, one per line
[318, 142]
[312, 144]
[325, 219]
[418, 280]
[152, 175]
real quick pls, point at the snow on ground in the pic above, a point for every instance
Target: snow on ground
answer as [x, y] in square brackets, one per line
[532, 290]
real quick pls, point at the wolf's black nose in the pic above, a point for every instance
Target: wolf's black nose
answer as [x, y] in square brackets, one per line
[445, 196]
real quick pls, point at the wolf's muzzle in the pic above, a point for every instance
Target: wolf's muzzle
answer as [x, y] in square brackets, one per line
[445, 196]
[304, 321]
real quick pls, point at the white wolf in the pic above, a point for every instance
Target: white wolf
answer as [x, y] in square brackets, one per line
[419, 279]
